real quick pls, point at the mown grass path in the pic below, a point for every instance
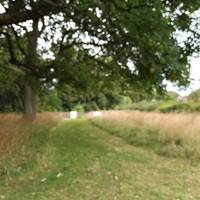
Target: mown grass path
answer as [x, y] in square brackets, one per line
[78, 161]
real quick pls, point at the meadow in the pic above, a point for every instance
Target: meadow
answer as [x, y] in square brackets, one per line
[120, 156]
[170, 134]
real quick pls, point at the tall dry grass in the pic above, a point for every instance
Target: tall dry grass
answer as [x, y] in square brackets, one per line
[183, 126]
[50, 118]
[15, 130]
[12, 133]
[15, 134]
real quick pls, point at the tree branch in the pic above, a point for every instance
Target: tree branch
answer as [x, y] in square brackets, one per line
[39, 10]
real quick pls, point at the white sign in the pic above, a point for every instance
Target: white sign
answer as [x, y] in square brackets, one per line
[73, 115]
[96, 113]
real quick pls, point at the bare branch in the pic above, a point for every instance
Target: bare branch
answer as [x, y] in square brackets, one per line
[54, 3]
[43, 26]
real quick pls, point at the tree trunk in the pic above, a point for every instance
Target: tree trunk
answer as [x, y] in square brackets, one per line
[31, 82]
[29, 102]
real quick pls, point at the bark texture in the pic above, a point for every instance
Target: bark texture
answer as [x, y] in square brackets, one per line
[29, 102]
[39, 10]
[31, 81]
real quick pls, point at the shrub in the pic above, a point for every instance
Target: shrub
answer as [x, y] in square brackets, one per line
[91, 106]
[176, 107]
[50, 101]
[197, 107]
[167, 107]
[79, 108]
[146, 106]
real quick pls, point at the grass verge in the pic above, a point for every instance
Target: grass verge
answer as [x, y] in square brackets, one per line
[75, 160]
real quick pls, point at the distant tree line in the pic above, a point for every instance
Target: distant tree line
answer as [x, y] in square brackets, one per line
[68, 98]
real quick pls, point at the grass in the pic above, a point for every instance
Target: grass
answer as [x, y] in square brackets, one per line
[84, 159]
[173, 135]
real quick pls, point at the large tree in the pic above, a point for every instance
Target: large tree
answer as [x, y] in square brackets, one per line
[135, 40]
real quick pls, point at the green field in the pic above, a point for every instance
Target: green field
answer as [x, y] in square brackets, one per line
[77, 160]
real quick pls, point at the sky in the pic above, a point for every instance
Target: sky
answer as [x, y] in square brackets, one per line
[194, 76]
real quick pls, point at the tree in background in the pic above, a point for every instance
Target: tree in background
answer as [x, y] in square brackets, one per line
[133, 41]
[195, 95]
[10, 92]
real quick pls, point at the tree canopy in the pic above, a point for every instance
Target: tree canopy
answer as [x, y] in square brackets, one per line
[131, 42]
